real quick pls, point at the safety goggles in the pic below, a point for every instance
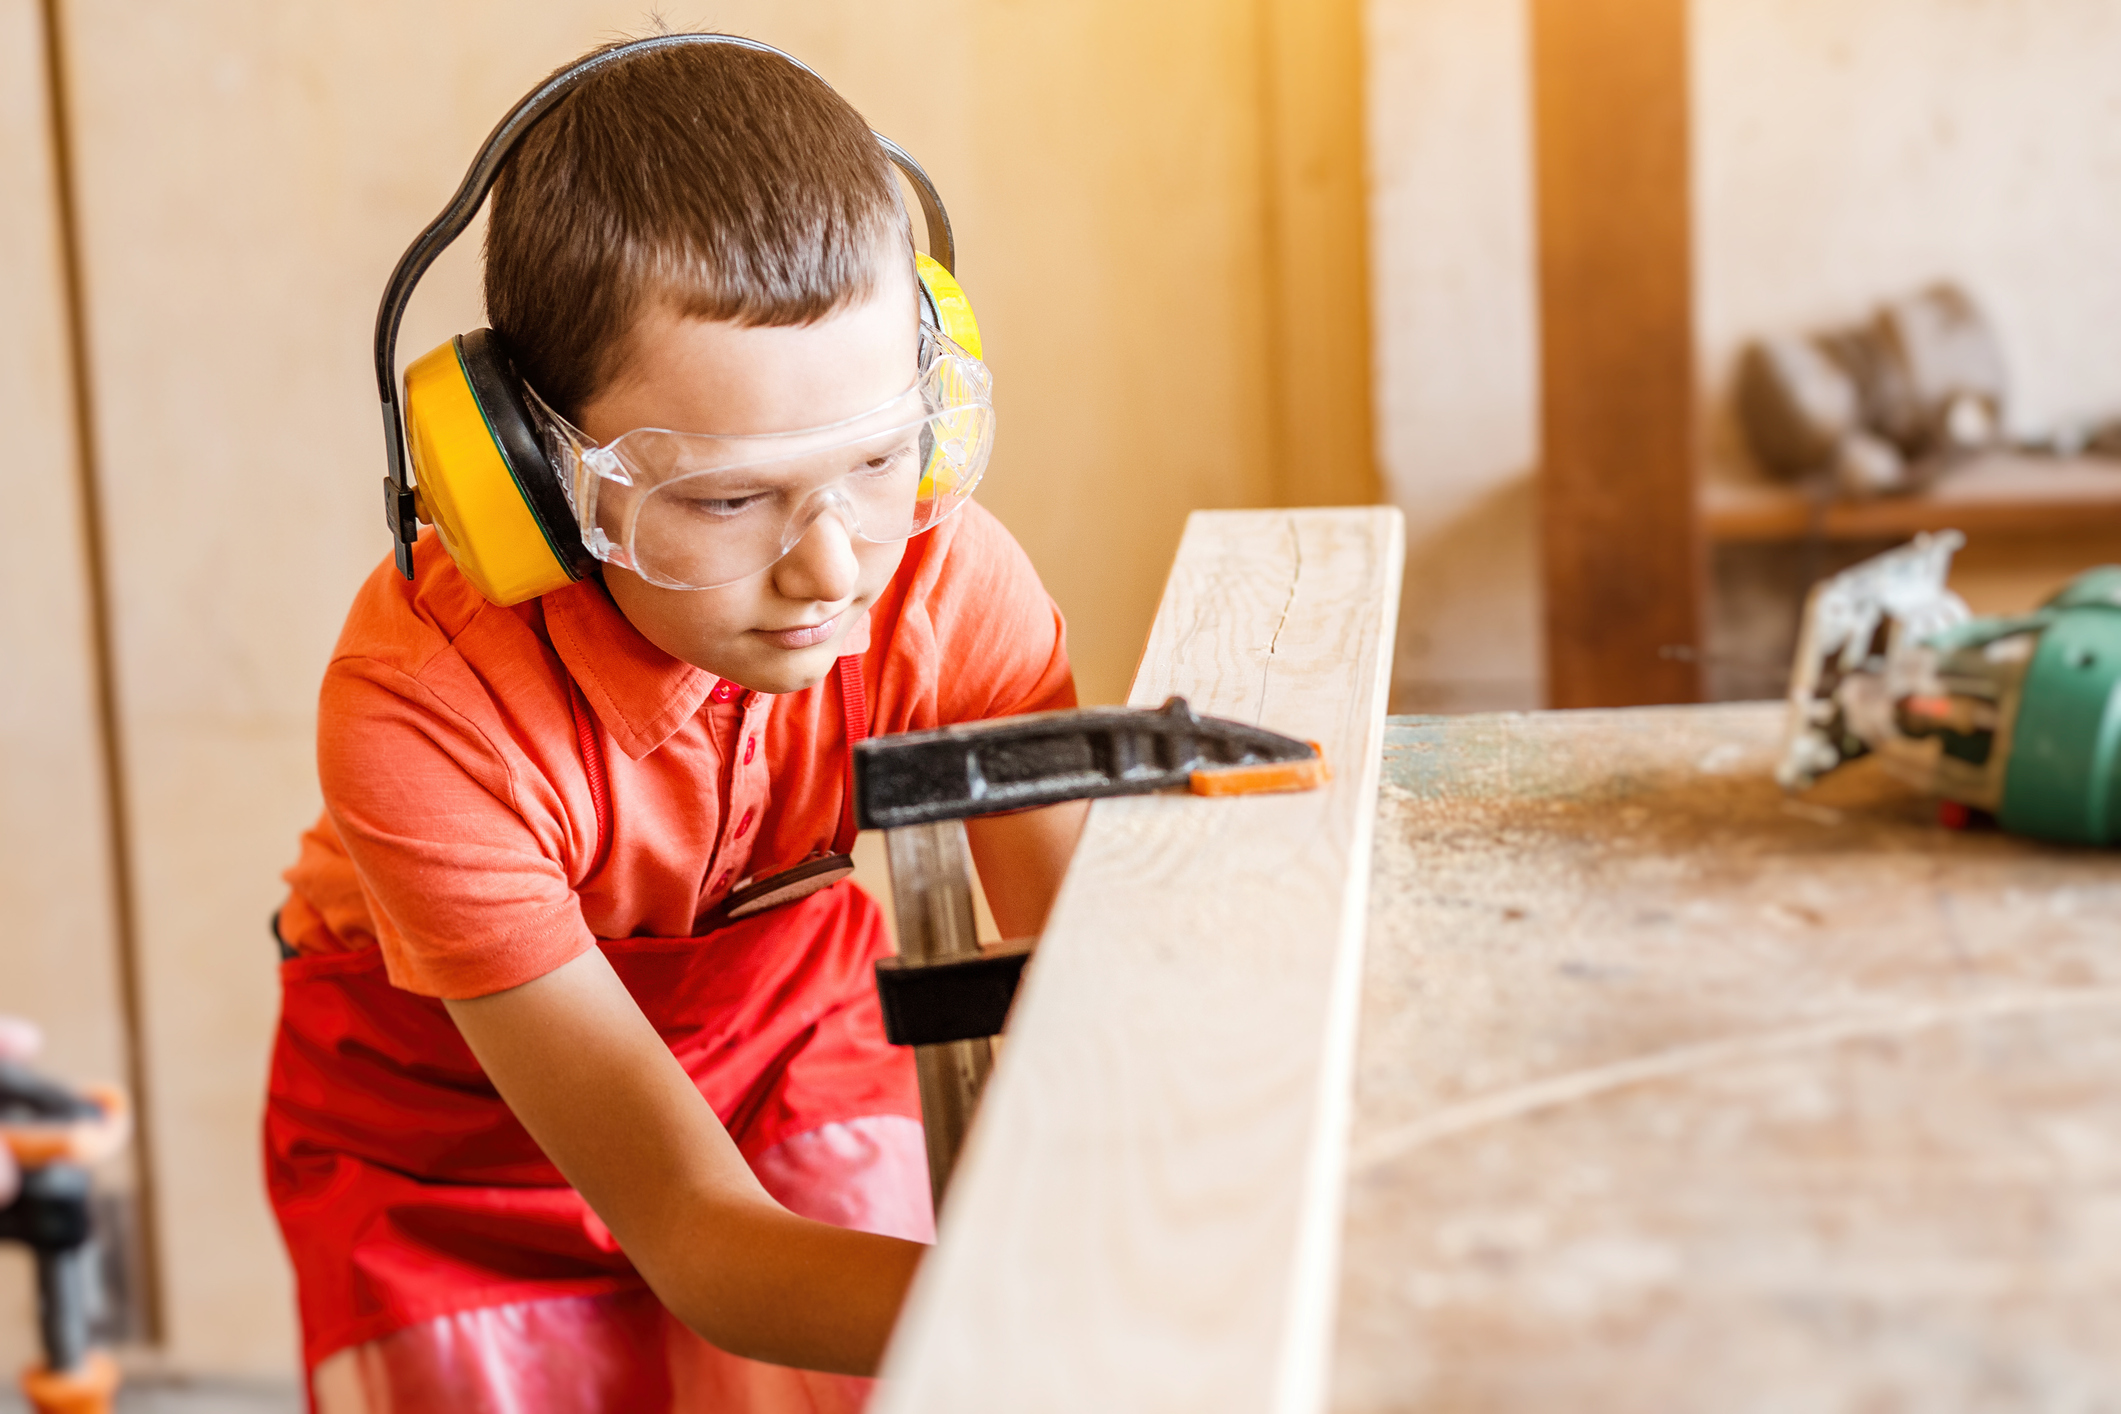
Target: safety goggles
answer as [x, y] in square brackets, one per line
[690, 510]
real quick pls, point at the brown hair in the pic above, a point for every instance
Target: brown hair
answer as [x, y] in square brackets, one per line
[728, 182]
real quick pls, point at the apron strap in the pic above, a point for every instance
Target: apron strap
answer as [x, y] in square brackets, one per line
[585, 735]
[854, 711]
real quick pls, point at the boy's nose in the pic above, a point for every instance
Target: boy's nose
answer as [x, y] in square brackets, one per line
[822, 565]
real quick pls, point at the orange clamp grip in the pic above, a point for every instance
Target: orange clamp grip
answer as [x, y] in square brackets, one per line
[87, 1390]
[1263, 777]
[79, 1141]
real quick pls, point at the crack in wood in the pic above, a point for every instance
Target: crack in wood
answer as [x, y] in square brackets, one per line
[1296, 575]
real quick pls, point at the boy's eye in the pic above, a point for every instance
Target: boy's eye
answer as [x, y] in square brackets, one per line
[884, 462]
[722, 505]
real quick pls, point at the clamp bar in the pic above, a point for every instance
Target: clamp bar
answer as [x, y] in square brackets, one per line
[1016, 763]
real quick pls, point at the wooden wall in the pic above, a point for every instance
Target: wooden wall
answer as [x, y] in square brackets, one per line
[1456, 344]
[1144, 198]
[58, 935]
[1977, 141]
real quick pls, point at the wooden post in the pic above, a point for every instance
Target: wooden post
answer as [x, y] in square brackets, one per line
[1146, 1216]
[1621, 538]
[931, 874]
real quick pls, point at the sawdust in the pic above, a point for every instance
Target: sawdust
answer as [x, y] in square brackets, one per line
[1676, 1093]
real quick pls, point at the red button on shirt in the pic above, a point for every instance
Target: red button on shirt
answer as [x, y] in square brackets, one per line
[724, 691]
[744, 824]
[751, 749]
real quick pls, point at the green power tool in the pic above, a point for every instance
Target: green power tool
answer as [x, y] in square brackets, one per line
[2017, 717]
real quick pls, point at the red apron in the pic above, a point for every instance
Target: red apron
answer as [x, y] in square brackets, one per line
[405, 1187]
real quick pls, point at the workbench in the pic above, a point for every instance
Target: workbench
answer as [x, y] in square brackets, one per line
[1538, 1062]
[1676, 1093]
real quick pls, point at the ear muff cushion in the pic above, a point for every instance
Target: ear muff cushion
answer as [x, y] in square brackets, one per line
[947, 304]
[500, 393]
[483, 478]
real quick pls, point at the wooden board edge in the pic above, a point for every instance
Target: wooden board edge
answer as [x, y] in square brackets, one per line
[1314, 1296]
[1301, 1368]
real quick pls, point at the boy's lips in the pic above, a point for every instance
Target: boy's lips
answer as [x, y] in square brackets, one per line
[803, 636]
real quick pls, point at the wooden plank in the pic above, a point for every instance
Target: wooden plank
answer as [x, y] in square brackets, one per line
[1675, 1093]
[1624, 566]
[1146, 1216]
[2002, 494]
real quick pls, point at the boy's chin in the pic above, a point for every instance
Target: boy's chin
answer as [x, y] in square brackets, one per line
[777, 671]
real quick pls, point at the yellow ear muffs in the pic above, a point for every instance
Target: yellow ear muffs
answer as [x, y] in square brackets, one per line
[944, 304]
[482, 477]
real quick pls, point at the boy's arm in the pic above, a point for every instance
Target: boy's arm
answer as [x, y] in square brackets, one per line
[603, 1096]
[1021, 859]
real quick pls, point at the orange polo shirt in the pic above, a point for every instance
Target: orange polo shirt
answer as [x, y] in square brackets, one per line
[458, 831]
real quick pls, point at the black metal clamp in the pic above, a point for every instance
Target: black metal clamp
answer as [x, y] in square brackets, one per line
[944, 994]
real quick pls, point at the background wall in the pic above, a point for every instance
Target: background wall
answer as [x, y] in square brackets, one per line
[58, 953]
[1843, 153]
[1850, 152]
[1129, 185]
[1147, 197]
[1456, 348]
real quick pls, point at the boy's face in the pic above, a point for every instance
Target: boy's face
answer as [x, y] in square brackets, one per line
[781, 629]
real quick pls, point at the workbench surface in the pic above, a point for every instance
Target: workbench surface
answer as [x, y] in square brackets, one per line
[1676, 1093]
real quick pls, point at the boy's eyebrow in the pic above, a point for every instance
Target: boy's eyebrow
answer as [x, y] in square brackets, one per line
[849, 421]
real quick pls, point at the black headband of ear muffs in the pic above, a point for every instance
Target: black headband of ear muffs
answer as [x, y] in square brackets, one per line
[398, 511]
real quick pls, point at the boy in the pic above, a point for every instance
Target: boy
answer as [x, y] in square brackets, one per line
[533, 1085]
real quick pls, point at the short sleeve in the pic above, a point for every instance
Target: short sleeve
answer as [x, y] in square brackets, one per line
[459, 848]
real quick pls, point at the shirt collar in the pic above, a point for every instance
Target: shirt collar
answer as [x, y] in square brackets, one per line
[641, 694]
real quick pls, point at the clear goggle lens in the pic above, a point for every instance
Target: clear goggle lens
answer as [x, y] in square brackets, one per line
[688, 510]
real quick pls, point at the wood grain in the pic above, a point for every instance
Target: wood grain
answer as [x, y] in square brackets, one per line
[1675, 1093]
[1146, 1216]
[1621, 545]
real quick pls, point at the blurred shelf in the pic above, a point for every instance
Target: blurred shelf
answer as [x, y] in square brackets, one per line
[2002, 494]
